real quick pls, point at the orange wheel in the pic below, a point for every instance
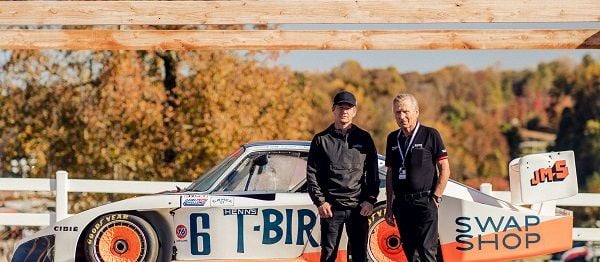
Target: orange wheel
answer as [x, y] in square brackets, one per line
[384, 243]
[121, 237]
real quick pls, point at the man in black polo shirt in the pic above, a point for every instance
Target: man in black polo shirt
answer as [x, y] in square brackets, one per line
[343, 180]
[417, 173]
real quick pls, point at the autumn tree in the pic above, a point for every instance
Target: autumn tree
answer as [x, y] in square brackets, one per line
[466, 107]
[578, 129]
[41, 100]
[114, 126]
[224, 101]
[374, 90]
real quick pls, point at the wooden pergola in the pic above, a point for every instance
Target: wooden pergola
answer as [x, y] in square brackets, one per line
[274, 12]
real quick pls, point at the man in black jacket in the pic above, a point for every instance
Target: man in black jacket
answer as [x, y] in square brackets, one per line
[343, 180]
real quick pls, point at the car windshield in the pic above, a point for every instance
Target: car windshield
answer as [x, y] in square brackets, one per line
[273, 171]
[206, 181]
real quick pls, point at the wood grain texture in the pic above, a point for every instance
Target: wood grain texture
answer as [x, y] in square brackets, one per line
[299, 39]
[294, 12]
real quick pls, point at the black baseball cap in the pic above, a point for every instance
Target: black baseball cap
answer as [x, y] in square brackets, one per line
[344, 97]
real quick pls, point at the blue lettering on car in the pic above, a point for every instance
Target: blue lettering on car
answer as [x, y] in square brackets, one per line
[196, 236]
[272, 230]
[509, 241]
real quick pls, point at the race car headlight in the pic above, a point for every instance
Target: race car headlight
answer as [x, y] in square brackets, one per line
[39, 249]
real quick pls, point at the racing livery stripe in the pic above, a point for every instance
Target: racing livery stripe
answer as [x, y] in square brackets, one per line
[548, 237]
[316, 256]
[306, 257]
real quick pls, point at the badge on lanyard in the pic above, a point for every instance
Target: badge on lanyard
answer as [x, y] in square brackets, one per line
[403, 155]
[402, 173]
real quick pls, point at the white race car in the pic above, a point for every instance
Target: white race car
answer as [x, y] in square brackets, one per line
[254, 206]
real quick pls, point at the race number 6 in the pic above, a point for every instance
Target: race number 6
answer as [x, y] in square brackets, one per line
[201, 219]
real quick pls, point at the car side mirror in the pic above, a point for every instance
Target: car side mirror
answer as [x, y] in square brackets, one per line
[261, 160]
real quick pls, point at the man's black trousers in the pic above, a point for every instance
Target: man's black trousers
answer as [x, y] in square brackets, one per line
[331, 232]
[417, 220]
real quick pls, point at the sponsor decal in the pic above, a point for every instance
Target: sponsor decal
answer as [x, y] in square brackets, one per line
[240, 211]
[66, 229]
[194, 200]
[181, 231]
[521, 236]
[556, 173]
[276, 227]
[221, 201]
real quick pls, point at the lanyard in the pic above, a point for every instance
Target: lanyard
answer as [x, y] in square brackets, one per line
[412, 137]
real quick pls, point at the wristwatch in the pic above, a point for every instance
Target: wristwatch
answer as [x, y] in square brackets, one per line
[438, 199]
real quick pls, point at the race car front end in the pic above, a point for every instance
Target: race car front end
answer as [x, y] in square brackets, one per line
[65, 240]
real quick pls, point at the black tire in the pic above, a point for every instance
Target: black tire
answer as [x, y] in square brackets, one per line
[121, 236]
[384, 242]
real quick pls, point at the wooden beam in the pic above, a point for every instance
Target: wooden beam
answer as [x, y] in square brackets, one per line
[298, 39]
[294, 12]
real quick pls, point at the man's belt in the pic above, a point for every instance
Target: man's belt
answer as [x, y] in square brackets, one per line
[414, 196]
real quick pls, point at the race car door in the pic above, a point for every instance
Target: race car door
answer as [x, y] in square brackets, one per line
[258, 212]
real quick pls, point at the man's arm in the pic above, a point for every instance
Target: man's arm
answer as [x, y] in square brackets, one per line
[444, 167]
[372, 172]
[389, 189]
[389, 193]
[312, 170]
[372, 179]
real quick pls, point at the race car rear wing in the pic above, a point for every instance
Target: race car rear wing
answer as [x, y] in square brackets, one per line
[540, 179]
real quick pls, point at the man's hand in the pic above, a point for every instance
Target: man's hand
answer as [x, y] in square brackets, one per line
[436, 200]
[366, 208]
[437, 204]
[325, 210]
[389, 217]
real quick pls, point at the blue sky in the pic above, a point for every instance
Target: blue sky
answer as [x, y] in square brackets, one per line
[427, 61]
[430, 60]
